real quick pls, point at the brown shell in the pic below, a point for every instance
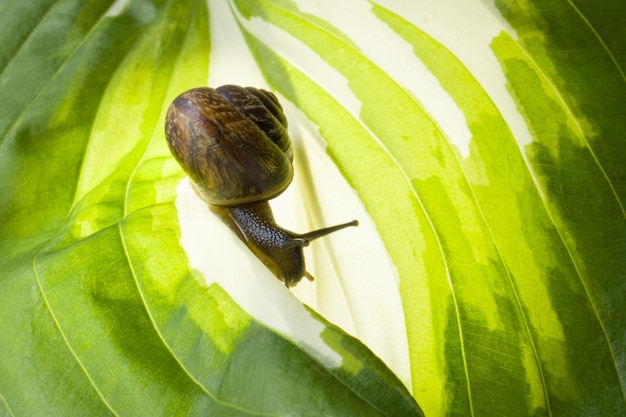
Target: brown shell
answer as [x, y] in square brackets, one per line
[232, 142]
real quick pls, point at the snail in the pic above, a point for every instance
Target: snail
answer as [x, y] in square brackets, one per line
[233, 144]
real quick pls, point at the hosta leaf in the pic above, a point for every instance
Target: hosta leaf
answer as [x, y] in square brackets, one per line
[479, 143]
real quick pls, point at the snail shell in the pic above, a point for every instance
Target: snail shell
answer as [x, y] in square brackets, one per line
[233, 143]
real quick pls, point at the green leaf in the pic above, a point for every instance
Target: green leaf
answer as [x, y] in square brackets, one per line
[479, 144]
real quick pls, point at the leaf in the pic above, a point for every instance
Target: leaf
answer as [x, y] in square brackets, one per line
[483, 140]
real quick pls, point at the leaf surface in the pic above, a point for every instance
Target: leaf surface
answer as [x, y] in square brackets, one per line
[480, 144]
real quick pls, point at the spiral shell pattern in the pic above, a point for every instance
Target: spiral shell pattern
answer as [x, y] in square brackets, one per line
[232, 142]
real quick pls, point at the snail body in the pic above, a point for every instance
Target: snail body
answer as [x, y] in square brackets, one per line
[233, 144]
